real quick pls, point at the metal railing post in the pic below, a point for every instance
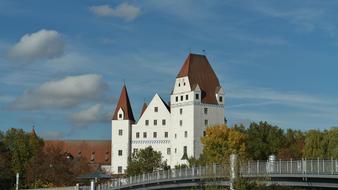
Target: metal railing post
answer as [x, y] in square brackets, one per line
[257, 167]
[291, 165]
[332, 166]
[318, 165]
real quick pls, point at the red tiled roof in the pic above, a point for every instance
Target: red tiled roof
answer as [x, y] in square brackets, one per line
[101, 149]
[144, 107]
[199, 71]
[124, 103]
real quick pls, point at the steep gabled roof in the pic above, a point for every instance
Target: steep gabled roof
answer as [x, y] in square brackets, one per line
[144, 107]
[124, 104]
[197, 68]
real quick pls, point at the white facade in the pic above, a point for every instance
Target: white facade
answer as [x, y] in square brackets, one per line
[174, 130]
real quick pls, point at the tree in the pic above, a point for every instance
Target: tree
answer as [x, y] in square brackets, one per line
[17, 141]
[315, 145]
[220, 142]
[145, 161]
[332, 145]
[295, 142]
[6, 174]
[52, 168]
[264, 139]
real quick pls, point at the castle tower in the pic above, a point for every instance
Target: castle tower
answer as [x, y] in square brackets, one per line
[197, 101]
[122, 120]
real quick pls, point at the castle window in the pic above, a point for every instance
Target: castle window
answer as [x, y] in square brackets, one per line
[120, 152]
[120, 132]
[181, 98]
[155, 122]
[220, 99]
[168, 151]
[92, 157]
[186, 97]
[205, 110]
[181, 111]
[155, 134]
[163, 122]
[155, 109]
[179, 84]
[175, 135]
[120, 115]
[119, 169]
[197, 96]
[181, 122]
[144, 134]
[147, 122]
[137, 135]
[106, 157]
[175, 150]
[185, 150]
[184, 84]
[166, 135]
[185, 134]
[176, 98]
[206, 122]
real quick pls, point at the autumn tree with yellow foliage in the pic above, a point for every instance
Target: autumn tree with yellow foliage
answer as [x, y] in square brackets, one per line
[221, 141]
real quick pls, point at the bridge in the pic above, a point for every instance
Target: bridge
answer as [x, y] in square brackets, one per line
[293, 173]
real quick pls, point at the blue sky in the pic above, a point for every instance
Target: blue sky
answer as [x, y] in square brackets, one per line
[63, 63]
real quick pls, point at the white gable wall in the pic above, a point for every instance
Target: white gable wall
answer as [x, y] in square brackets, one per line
[159, 143]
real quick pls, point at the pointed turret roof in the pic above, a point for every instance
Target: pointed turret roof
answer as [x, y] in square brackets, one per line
[124, 104]
[144, 107]
[33, 133]
[197, 68]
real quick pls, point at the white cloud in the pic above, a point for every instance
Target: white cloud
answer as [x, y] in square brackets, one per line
[125, 11]
[44, 44]
[93, 114]
[67, 92]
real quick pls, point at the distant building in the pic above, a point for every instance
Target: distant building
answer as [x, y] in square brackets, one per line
[96, 152]
[174, 129]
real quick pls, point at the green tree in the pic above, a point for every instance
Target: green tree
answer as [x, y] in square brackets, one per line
[17, 141]
[264, 139]
[145, 161]
[6, 174]
[295, 142]
[220, 142]
[332, 145]
[315, 145]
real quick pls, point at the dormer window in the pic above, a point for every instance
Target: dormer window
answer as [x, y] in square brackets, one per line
[106, 157]
[197, 96]
[155, 109]
[220, 99]
[120, 115]
[92, 157]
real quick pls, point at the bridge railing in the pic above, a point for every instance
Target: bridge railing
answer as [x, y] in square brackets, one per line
[245, 169]
[208, 171]
[310, 167]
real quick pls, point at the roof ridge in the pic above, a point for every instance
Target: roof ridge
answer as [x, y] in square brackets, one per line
[124, 104]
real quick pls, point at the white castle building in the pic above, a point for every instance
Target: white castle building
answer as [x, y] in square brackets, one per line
[174, 129]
